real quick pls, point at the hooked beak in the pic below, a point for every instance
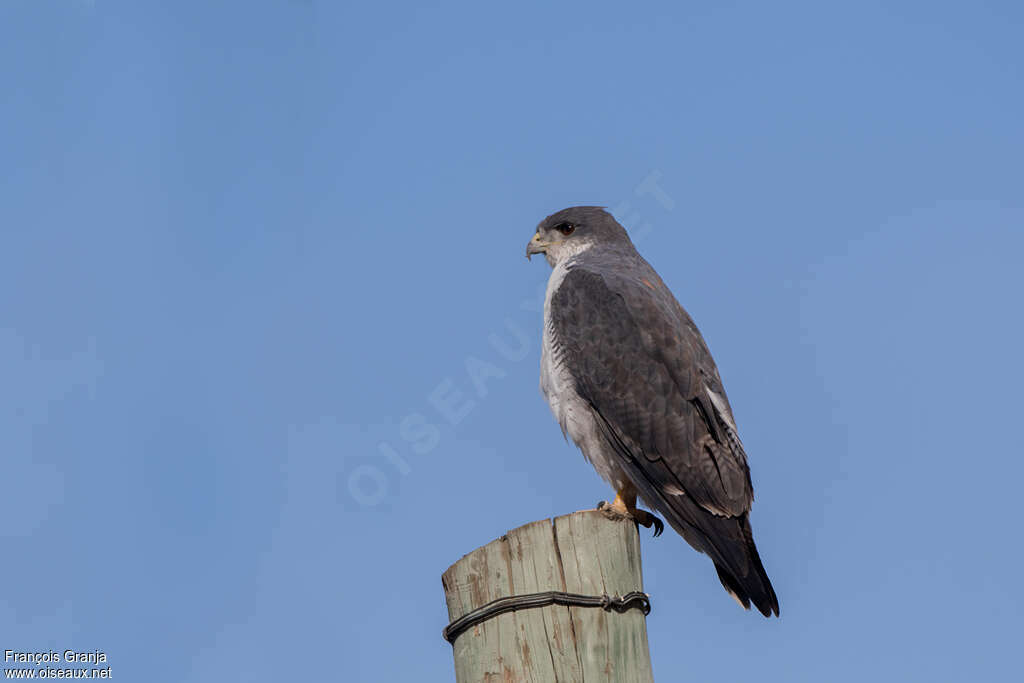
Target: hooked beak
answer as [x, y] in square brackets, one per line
[536, 246]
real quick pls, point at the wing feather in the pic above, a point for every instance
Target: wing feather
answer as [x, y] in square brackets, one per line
[644, 367]
[640, 363]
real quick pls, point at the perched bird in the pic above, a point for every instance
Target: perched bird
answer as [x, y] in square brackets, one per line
[630, 379]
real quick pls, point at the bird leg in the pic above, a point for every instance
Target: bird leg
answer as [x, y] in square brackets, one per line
[624, 507]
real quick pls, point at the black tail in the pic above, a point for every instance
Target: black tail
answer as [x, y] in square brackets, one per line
[753, 584]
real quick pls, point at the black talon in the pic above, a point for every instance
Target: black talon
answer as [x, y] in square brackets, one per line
[659, 526]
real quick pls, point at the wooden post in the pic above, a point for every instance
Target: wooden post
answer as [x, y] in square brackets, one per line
[579, 553]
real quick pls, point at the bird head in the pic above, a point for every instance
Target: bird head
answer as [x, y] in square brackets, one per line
[571, 231]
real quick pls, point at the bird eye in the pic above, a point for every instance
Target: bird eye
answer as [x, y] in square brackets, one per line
[565, 228]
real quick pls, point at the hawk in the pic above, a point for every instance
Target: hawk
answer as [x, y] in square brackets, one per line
[630, 379]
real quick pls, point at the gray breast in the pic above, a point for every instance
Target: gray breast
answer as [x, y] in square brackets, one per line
[573, 414]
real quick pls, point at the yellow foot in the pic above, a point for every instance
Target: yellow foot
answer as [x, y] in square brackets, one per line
[623, 508]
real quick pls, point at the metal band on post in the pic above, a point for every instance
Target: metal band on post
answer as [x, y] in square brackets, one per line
[511, 603]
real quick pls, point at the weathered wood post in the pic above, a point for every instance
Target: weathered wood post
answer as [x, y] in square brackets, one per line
[583, 554]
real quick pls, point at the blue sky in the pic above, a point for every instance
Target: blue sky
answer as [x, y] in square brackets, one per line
[248, 250]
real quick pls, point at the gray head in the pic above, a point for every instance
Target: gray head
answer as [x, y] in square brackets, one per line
[570, 231]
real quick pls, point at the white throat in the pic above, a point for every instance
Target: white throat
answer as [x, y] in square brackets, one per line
[561, 262]
[562, 252]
